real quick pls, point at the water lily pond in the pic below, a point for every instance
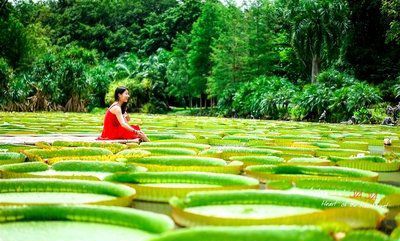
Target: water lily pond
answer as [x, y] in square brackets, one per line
[196, 179]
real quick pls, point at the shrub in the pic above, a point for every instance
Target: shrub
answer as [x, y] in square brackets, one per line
[349, 99]
[5, 76]
[378, 113]
[335, 79]
[265, 97]
[312, 101]
[138, 92]
[99, 78]
[340, 94]
[74, 63]
[276, 100]
[396, 88]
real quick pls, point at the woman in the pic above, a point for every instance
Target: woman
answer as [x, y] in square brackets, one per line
[116, 120]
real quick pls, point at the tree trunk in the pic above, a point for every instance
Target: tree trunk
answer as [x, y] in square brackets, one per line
[74, 104]
[315, 68]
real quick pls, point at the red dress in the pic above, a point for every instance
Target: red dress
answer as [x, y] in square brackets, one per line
[112, 130]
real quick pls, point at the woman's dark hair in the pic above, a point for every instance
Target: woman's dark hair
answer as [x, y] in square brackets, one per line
[120, 90]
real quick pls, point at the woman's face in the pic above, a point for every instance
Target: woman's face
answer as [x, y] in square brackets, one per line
[124, 96]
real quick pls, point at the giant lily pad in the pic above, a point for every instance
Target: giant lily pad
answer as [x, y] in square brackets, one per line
[76, 223]
[360, 235]
[89, 170]
[258, 160]
[11, 157]
[225, 152]
[114, 147]
[256, 207]
[176, 144]
[161, 186]
[30, 191]
[376, 193]
[42, 154]
[252, 233]
[289, 172]
[186, 163]
[372, 163]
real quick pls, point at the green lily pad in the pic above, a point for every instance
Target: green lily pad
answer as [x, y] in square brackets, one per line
[74, 223]
[54, 191]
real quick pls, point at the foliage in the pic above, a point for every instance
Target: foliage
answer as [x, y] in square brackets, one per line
[264, 37]
[153, 72]
[161, 29]
[13, 41]
[42, 81]
[335, 79]
[137, 91]
[56, 79]
[228, 56]
[313, 100]
[396, 88]
[363, 116]
[146, 84]
[204, 31]
[339, 94]
[391, 8]
[369, 55]
[248, 61]
[277, 99]
[265, 97]
[378, 113]
[73, 79]
[5, 76]
[355, 97]
[178, 72]
[319, 28]
[99, 78]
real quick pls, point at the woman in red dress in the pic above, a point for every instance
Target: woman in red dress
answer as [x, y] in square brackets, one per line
[116, 120]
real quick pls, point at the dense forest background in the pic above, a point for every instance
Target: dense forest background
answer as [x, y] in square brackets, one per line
[271, 59]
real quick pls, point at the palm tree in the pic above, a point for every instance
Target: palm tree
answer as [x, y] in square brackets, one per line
[319, 30]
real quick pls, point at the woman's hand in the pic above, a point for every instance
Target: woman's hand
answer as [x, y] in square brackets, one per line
[140, 134]
[126, 116]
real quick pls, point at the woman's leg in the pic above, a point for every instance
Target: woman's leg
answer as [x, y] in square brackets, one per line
[142, 136]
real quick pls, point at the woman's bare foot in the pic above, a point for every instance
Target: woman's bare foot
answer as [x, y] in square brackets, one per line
[143, 137]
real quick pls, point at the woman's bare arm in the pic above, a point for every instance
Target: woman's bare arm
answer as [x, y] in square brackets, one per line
[127, 117]
[116, 110]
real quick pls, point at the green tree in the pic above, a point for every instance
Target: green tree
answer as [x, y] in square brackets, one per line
[262, 39]
[127, 66]
[75, 62]
[153, 75]
[229, 57]
[42, 84]
[312, 100]
[5, 76]
[14, 41]
[369, 54]
[100, 77]
[204, 31]
[268, 97]
[177, 71]
[110, 27]
[160, 29]
[319, 30]
[391, 8]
